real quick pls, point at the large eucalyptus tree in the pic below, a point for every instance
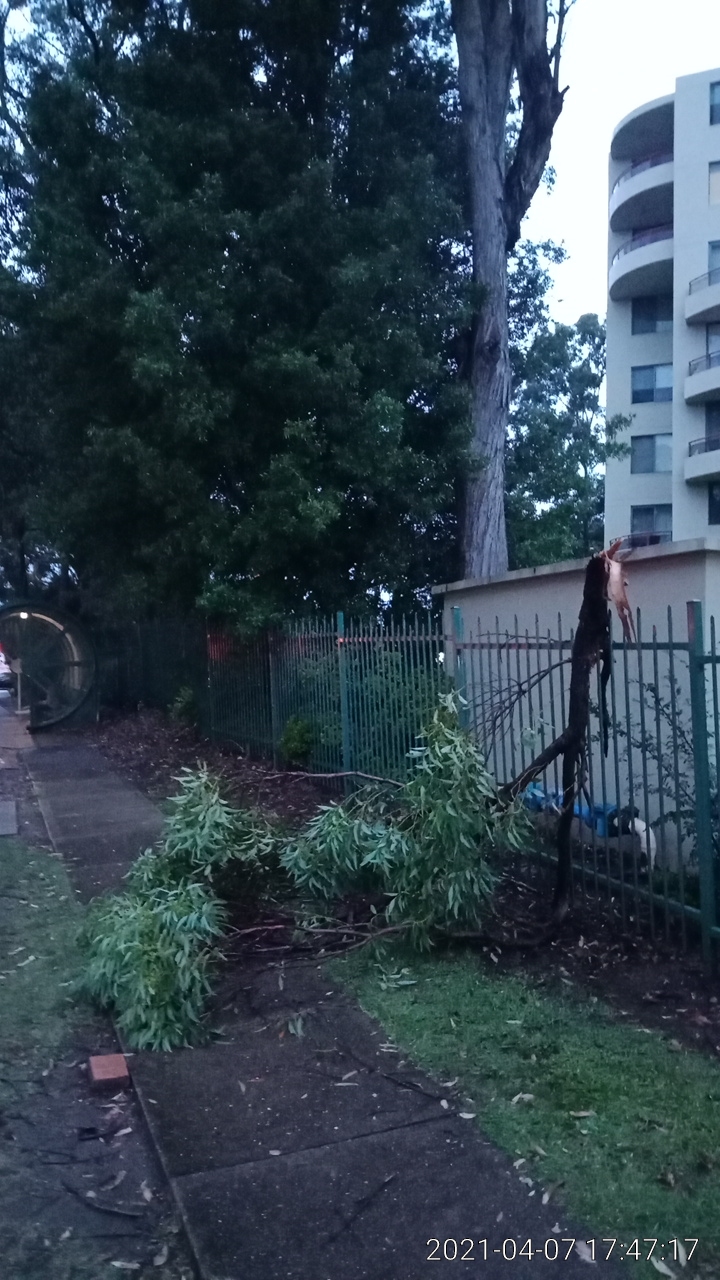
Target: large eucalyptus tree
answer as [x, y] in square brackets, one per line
[509, 67]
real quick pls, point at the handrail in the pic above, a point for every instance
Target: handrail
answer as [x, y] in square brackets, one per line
[643, 238]
[710, 361]
[639, 166]
[703, 282]
[706, 444]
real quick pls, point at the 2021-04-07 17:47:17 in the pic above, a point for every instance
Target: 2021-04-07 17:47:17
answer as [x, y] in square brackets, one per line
[554, 1250]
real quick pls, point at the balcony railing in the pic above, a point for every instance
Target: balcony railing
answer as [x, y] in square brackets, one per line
[633, 540]
[644, 237]
[703, 282]
[710, 361]
[706, 444]
[661, 157]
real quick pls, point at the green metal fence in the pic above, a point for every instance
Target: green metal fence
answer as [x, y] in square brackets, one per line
[363, 690]
[646, 833]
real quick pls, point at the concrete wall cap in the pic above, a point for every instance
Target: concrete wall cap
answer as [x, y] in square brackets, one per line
[691, 546]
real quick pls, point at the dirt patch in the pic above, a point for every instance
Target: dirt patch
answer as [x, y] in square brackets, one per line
[149, 749]
[658, 983]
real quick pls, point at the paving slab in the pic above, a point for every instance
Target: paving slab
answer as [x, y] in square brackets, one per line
[239, 1101]
[65, 761]
[8, 818]
[366, 1210]
[91, 881]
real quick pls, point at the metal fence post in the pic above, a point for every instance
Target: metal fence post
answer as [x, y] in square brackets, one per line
[274, 715]
[345, 726]
[701, 768]
[460, 669]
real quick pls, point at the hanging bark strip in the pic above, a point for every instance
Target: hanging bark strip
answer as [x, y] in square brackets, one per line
[603, 581]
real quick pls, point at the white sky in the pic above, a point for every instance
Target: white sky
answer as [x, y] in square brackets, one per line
[618, 54]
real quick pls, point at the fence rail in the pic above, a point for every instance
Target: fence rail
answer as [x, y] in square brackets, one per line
[647, 822]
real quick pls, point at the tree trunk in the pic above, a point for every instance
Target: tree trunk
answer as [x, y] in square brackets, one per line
[497, 39]
[590, 646]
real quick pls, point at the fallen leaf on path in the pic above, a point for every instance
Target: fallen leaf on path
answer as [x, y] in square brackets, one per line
[467, 1115]
[583, 1251]
[112, 1183]
[145, 1192]
[126, 1266]
[161, 1257]
[24, 962]
[347, 1083]
[121, 1132]
[550, 1190]
[444, 1104]
[582, 1115]
[66, 1233]
[522, 1097]
[681, 1252]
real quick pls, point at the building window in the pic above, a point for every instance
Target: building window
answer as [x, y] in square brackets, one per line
[714, 503]
[712, 419]
[655, 519]
[714, 182]
[713, 339]
[652, 315]
[650, 453]
[652, 382]
[715, 102]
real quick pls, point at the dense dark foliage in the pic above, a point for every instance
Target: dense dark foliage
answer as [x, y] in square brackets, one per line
[237, 253]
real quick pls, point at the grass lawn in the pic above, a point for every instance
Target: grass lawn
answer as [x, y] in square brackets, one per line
[644, 1158]
[39, 917]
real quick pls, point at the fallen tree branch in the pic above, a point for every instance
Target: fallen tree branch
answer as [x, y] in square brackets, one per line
[591, 645]
[346, 773]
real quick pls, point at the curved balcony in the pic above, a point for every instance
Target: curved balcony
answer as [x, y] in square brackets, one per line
[702, 305]
[703, 380]
[703, 461]
[643, 194]
[643, 265]
[645, 131]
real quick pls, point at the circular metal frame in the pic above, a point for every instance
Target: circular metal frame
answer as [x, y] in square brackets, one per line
[44, 665]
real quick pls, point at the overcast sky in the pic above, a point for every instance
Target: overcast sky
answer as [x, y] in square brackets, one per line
[618, 54]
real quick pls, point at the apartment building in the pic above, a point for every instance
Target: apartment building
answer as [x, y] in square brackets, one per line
[663, 320]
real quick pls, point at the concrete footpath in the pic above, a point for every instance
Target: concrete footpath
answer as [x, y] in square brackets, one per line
[311, 1156]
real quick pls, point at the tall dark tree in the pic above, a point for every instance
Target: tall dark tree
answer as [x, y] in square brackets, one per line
[241, 231]
[503, 46]
[557, 445]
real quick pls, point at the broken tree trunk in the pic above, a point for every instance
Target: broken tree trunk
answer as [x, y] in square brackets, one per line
[590, 646]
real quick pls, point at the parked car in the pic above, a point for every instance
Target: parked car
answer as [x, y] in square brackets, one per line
[6, 679]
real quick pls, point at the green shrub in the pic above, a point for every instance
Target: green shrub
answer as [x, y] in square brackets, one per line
[431, 846]
[297, 742]
[150, 950]
[150, 955]
[184, 708]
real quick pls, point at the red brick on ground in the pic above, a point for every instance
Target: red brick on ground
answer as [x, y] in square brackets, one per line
[109, 1070]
